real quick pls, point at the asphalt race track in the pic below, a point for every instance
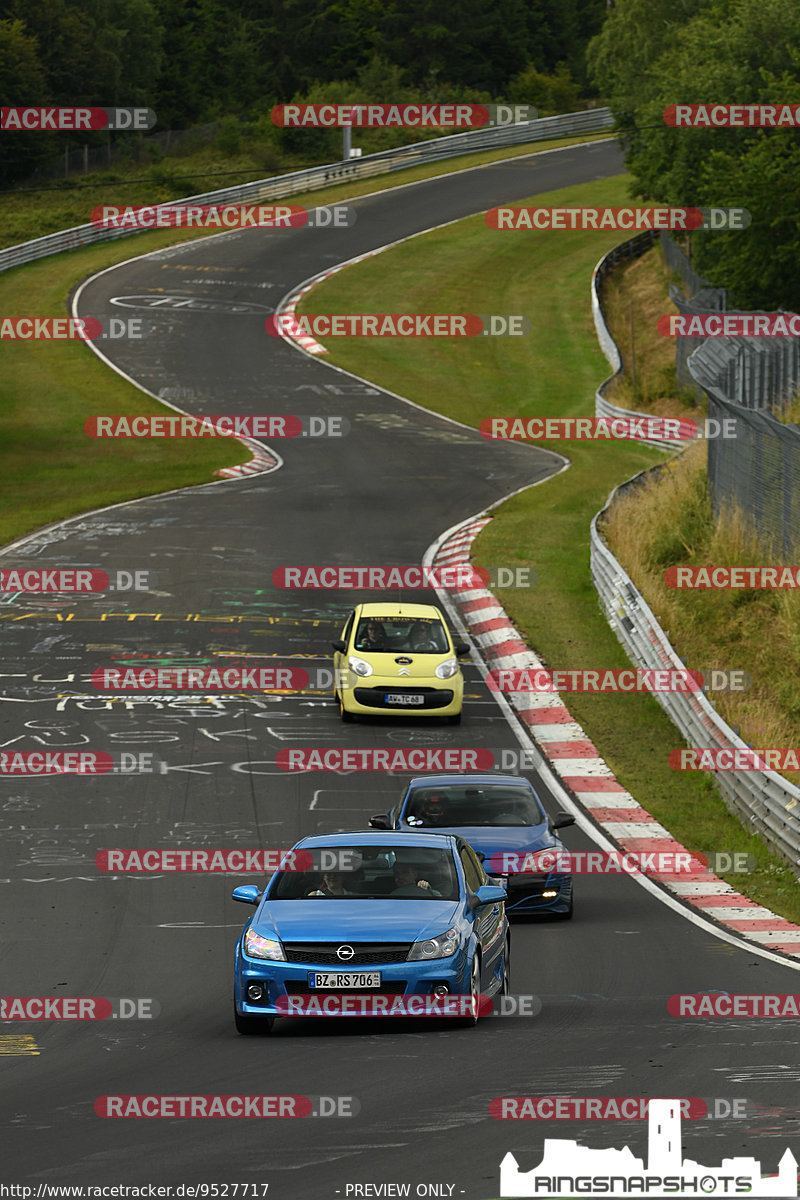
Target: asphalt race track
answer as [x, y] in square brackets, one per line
[382, 494]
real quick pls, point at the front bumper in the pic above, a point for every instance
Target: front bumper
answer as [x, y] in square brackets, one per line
[441, 698]
[526, 896]
[291, 979]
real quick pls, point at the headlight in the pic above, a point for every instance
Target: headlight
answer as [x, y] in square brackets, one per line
[359, 665]
[257, 946]
[447, 669]
[438, 947]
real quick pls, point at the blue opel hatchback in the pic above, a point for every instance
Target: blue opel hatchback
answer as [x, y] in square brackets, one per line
[402, 914]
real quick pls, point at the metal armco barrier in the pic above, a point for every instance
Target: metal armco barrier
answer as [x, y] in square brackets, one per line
[633, 248]
[763, 800]
[263, 191]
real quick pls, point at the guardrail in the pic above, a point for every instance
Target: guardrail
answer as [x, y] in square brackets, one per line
[762, 800]
[634, 247]
[312, 178]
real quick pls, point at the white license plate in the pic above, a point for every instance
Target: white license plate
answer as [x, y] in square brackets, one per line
[339, 979]
[403, 698]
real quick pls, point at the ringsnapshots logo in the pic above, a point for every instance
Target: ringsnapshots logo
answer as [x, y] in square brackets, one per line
[567, 1169]
[400, 325]
[400, 116]
[631, 220]
[74, 119]
[134, 425]
[223, 216]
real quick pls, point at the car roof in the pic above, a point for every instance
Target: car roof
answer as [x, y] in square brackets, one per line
[469, 779]
[377, 837]
[377, 608]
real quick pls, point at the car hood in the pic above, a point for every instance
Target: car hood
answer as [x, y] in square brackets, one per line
[422, 666]
[323, 920]
[494, 839]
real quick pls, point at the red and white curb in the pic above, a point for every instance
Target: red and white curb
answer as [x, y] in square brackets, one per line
[263, 460]
[577, 762]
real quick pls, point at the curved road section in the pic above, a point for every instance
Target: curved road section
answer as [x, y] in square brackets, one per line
[421, 1091]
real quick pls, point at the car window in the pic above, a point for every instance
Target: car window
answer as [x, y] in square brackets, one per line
[472, 869]
[488, 804]
[346, 631]
[375, 873]
[394, 635]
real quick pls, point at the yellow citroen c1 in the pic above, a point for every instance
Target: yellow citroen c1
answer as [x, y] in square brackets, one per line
[398, 658]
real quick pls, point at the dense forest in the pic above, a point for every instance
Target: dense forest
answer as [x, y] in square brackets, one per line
[653, 53]
[195, 61]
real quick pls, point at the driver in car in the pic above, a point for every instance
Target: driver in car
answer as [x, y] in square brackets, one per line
[405, 876]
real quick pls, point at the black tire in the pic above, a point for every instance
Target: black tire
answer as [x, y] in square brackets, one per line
[343, 713]
[252, 1025]
[454, 720]
[475, 989]
[505, 986]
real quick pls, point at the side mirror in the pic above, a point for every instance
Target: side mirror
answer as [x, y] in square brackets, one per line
[340, 646]
[561, 821]
[489, 893]
[247, 894]
[379, 821]
[462, 648]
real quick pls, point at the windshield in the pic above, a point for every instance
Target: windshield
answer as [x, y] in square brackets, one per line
[464, 806]
[417, 635]
[371, 873]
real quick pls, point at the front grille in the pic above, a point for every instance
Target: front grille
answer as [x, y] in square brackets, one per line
[299, 987]
[375, 697]
[366, 953]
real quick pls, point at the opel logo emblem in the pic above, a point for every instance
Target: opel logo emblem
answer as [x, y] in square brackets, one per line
[345, 953]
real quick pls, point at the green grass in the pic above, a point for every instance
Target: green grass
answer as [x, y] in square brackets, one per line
[551, 372]
[49, 468]
[27, 216]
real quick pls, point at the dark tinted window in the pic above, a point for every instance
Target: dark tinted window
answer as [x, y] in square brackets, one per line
[375, 873]
[431, 807]
[472, 871]
[409, 635]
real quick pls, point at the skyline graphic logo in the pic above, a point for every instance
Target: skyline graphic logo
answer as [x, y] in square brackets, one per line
[568, 1169]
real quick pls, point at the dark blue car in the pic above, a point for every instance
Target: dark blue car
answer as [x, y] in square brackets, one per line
[377, 914]
[502, 818]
